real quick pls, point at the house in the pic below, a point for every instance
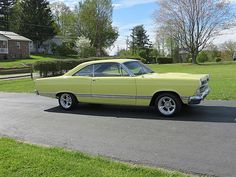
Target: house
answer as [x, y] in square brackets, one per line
[47, 46]
[13, 46]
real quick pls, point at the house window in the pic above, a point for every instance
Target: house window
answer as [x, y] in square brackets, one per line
[18, 45]
[3, 44]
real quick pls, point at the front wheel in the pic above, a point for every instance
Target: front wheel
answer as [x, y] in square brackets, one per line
[168, 104]
[67, 101]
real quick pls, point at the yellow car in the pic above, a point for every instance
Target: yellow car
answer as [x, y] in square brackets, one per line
[125, 82]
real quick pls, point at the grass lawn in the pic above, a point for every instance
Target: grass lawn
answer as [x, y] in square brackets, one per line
[19, 159]
[33, 59]
[21, 85]
[223, 77]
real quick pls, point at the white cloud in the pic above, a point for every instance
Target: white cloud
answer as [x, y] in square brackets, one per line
[226, 35]
[129, 3]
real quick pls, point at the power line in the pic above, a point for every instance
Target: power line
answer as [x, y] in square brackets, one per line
[31, 24]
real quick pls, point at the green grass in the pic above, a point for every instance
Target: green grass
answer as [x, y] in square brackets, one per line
[223, 77]
[22, 62]
[21, 85]
[31, 60]
[19, 159]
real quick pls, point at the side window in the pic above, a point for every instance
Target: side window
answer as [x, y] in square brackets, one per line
[124, 72]
[107, 70]
[87, 71]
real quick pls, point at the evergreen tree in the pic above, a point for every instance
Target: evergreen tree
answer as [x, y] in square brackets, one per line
[140, 39]
[15, 17]
[37, 21]
[5, 10]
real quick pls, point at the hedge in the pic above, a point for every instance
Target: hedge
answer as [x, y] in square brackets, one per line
[164, 60]
[60, 66]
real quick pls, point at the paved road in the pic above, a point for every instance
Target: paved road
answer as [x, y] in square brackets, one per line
[201, 140]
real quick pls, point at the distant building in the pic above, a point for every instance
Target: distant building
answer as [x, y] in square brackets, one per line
[13, 46]
[47, 46]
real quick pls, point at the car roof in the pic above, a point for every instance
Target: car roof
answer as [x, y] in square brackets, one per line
[110, 60]
[71, 72]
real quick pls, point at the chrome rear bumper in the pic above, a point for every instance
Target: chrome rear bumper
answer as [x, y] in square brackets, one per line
[199, 98]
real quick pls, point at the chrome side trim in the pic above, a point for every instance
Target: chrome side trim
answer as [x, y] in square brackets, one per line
[143, 97]
[53, 95]
[114, 96]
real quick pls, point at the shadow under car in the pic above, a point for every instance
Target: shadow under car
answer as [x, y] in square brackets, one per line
[199, 113]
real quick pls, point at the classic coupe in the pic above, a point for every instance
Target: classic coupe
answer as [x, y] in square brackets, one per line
[125, 82]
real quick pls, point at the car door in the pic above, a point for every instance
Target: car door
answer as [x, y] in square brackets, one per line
[80, 84]
[112, 84]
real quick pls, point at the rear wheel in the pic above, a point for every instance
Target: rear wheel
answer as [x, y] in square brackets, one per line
[168, 104]
[67, 101]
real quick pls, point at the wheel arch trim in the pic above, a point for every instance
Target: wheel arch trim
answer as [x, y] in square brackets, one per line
[155, 95]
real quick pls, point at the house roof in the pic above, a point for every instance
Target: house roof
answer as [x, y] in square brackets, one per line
[13, 36]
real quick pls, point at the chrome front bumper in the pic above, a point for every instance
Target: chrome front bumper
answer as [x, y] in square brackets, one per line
[199, 98]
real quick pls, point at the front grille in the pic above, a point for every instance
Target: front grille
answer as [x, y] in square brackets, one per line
[204, 87]
[204, 82]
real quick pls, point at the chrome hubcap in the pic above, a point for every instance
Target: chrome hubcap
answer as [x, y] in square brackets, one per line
[66, 100]
[166, 105]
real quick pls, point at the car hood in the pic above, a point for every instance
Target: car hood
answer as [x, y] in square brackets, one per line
[178, 76]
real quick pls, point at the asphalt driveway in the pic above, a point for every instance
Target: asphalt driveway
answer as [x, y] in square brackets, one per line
[201, 140]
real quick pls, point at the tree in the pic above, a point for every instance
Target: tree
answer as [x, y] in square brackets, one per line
[213, 52]
[229, 47]
[84, 48]
[95, 23]
[66, 20]
[5, 10]
[15, 17]
[140, 39]
[37, 21]
[140, 43]
[194, 22]
[58, 8]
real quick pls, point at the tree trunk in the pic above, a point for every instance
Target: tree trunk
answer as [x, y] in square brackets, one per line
[194, 58]
[98, 52]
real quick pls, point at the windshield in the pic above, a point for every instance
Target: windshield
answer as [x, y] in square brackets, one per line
[137, 68]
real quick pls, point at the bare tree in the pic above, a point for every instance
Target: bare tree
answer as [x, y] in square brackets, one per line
[229, 47]
[194, 22]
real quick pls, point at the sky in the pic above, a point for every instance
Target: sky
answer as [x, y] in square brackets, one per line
[129, 13]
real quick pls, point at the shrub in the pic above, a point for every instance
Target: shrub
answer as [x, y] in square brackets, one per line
[218, 59]
[164, 60]
[202, 57]
[128, 55]
[57, 67]
[147, 55]
[65, 49]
